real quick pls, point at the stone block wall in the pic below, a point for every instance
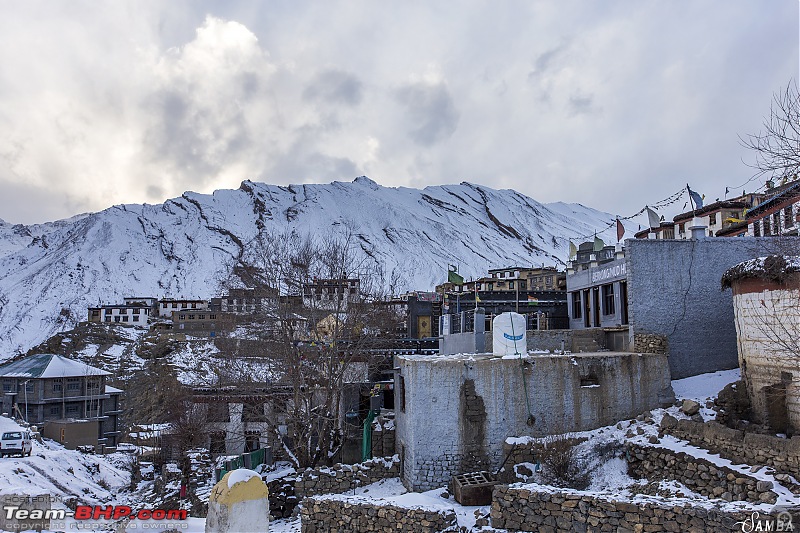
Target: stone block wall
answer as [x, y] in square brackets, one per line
[699, 475]
[522, 508]
[285, 493]
[347, 515]
[737, 446]
[650, 343]
[342, 478]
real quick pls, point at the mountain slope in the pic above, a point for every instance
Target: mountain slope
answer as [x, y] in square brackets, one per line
[50, 273]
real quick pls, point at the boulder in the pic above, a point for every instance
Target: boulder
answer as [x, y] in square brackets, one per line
[690, 407]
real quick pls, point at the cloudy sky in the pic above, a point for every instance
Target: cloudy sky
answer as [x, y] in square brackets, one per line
[613, 104]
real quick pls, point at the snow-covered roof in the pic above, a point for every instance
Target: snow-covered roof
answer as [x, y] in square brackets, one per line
[47, 365]
[113, 390]
[773, 268]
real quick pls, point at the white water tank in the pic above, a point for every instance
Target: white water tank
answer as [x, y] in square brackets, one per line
[508, 334]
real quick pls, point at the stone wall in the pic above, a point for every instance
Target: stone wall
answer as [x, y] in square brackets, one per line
[286, 493]
[699, 475]
[537, 396]
[674, 290]
[650, 343]
[522, 508]
[737, 446]
[347, 515]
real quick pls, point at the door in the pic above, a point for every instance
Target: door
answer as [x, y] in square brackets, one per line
[423, 327]
[587, 309]
[596, 306]
[623, 302]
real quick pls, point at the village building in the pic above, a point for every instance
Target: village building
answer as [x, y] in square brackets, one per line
[716, 217]
[668, 288]
[244, 301]
[133, 314]
[665, 230]
[777, 215]
[57, 392]
[454, 412]
[202, 322]
[331, 294]
[766, 298]
[166, 306]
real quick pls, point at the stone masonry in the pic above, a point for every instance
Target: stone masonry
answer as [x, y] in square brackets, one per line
[523, 508]
[348, 515]
[739, 447]
[699, 475]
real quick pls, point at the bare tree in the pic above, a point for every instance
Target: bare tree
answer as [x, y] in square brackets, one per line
[320, 328]
[777, 145]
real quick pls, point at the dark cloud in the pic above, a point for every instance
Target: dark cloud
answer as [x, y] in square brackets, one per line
[545, 61]
[335, 87]
[430, 110]
[581, 104]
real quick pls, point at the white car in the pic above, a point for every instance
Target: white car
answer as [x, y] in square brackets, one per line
[16, 442]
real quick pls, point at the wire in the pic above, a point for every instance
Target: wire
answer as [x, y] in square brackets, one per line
[669, 200]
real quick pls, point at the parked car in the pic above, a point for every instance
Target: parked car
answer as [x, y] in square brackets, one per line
[16, 442]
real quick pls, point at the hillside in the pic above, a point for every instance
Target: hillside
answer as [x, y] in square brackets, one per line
[50, 273]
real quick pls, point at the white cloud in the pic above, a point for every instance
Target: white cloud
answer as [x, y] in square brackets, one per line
[614, 106]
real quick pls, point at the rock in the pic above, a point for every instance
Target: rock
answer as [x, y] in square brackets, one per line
[763, 486]
[690, 407]
[653, 439]
[698, 418]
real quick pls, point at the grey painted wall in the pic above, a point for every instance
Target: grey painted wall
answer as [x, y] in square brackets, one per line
[674, 290]
[431, 432]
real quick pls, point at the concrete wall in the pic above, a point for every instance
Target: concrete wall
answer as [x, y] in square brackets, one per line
[460, 409]
[674, 290]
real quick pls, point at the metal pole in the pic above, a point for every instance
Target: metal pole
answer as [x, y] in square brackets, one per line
[25, 384]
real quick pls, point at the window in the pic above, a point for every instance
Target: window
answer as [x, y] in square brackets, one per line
[194, 305]
[788, 221]
[92, 386]
[74, 384]
[175, 305]
[116, 318]
[108, 311]
[125, 318]
[181, 317]
[55, 410]
[712, 218]
[58, 385]
[135, 318]
[135, 311]
[549, 280]
[756, 229]
[776, 221]
[510, 284]
[491, 287]
[608, 299]
[183, 305]
[30, 386]
[108, 319]
[123, 311]
[8, 386]
[576, 304]
[191, 317]
[72, 409]
[201, 317]
[95, 312]
[402, 392]
[680, 228]
[765, 221]
[212, 317]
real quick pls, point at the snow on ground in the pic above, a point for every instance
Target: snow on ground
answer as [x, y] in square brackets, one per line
[64, 473]
[705, 386]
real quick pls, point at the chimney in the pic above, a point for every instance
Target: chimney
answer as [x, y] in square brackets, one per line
[698, 229]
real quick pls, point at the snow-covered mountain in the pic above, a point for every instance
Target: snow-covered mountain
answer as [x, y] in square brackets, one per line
[50, 273]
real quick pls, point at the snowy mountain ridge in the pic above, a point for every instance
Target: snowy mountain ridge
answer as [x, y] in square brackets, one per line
[50, 273]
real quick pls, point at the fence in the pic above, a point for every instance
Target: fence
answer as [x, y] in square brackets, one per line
[246, 460]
